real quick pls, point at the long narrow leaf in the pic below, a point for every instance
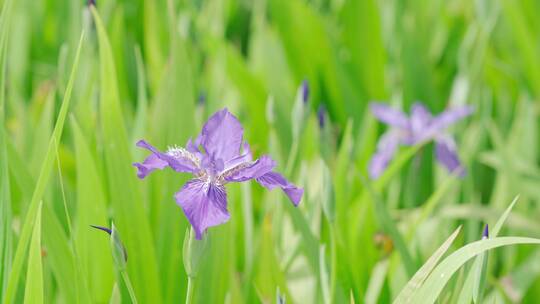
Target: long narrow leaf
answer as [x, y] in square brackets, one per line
[420, 276]
[388, 225]
[43, 179]
[471, 282]
[435, 283]
[33, 292]
[124, 195]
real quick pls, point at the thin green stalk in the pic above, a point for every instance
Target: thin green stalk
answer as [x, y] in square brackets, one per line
[129, 287]
[292, 157]
[189, 290]
[333, 257]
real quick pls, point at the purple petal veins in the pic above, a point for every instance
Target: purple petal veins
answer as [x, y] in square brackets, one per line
[204, 204]
[216, 157]
[222, 136]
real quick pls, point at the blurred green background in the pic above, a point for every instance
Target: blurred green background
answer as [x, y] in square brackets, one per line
[159, 68]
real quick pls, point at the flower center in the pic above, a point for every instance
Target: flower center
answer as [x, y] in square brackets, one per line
[212, 166]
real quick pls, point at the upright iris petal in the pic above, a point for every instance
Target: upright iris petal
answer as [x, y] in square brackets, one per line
[221, 136]
[224, 158]
[420, 127]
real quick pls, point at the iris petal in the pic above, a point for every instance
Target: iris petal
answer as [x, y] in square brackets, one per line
[222, 135]
[272, 180]
[445, 151]
[451, 116]
[214, 158]
[420, 121]
[242, 158]
[204, 204]
[178, 162]
[243, 172]
[389, 115]
[386, 148]
[151, 163]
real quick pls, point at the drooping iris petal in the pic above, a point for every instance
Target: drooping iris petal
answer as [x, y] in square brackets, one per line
[151, 163]
[389, 115]
[450, 116]
[272, 180]
[179, 160]
[445, 151]
[386, 148]
[243, 173]
[221, 136]
[204, 204]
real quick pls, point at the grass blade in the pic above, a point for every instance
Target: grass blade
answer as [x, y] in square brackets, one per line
[470, 290]
[124, 195]
[376, 282]
[388, 225]
[420, 276]
[43, 179]
[431, 203]
[33, 293]
[91, 209]
[435, 283]
[5, 197]
[495, 231]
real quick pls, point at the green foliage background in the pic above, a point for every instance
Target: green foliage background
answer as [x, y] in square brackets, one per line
[77, 92]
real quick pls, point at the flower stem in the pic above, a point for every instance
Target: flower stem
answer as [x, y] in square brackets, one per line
[189, 290]
[129, 286]
[333, 256]
[292, 157]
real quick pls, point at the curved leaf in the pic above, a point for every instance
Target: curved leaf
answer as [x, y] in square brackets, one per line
[435, 283]
[420, 276]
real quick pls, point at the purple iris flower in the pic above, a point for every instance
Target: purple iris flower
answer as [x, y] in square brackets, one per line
[420, 127]
[224, 158]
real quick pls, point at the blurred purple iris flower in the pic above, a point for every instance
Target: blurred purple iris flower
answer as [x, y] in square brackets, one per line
[224, 158]
[420, 127]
